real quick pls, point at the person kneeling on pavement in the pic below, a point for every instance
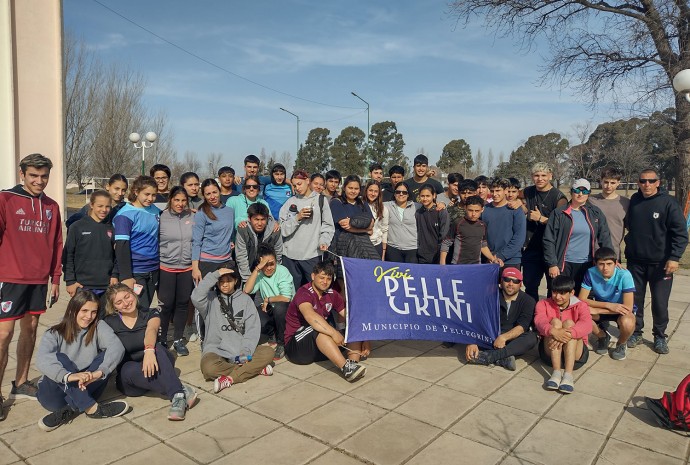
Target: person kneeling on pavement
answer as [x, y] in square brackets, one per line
[230, 352]
[76, 356]
[516, 314]
[274, 288]
[310, 326]
[610, 293]
[564, 322]
[147, 365]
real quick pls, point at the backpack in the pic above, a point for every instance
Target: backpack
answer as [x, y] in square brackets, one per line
[672, 411]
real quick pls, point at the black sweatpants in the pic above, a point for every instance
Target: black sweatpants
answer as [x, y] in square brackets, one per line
[516, 347]
[660, 285]
[401, 256]
[174, 290]
[273, 320]
[533, 270]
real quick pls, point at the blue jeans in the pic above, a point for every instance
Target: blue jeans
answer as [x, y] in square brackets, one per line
[53, 396]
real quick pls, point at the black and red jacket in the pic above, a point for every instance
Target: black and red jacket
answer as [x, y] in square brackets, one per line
[30, 238]
[560, 227]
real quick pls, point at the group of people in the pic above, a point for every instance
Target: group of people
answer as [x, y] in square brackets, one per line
[248, 266]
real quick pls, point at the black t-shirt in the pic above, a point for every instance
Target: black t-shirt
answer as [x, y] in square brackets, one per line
[132, 339]
[546, 202]
[414, 187]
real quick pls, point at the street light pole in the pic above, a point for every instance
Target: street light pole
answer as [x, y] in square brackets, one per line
[368, 128]
[297, 148]
[151, 138]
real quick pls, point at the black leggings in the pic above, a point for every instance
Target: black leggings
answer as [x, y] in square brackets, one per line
[400, 256]
[174, 290]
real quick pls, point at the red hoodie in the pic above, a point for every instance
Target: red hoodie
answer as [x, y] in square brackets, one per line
[578, 311]
[30, 238]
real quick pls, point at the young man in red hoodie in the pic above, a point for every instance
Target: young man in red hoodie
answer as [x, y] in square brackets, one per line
[563, 321]
[30, 251]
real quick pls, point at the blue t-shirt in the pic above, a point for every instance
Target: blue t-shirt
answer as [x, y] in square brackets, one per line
[580, 239]
[140, 227]
[608, 290]
[276, 195]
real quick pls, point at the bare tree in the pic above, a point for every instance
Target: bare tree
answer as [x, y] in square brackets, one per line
[624, 49]
[286, 159]
[490, 163]
[478, 164]
[215, 160]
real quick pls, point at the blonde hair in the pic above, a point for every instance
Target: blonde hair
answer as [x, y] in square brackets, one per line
[541, 167]
[110, 294]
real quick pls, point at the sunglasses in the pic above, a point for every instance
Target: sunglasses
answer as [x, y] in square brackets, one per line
[580, 190]
[647, 181]
[251, 186]
[401, 192]
[512, 280]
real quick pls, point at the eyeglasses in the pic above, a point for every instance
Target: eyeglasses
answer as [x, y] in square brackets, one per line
[580, 190]
[401, 192]
[647, 181]
[251, 186]
[161, 179]
[512, 280]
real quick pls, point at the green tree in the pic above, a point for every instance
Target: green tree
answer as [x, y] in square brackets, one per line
[315, 155]
[387, 145]
[550, 148]
[456, 157]
[598, 48]
[347, 152]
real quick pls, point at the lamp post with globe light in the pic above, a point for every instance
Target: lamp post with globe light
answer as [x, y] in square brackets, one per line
[145, 144]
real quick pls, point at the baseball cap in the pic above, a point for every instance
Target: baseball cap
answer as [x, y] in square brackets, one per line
[512, 272]
[582, 183]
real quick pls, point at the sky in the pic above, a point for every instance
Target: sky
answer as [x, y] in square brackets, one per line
[411, 61]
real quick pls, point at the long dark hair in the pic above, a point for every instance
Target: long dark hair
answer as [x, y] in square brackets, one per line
[348, 180]
[118, 177]
[255, 179]
[173, 192]
[139, 184]
[68, 327]
[378, 203]
[205, 206]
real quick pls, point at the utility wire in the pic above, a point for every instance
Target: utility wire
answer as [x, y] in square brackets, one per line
[210, 63]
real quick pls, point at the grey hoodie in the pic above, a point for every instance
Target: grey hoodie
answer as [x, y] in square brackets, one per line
[246, 246]
[176, 239]
[301, 239]
[80, 354]
[220, 338]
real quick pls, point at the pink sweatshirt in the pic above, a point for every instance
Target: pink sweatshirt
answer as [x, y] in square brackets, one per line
[578, 311]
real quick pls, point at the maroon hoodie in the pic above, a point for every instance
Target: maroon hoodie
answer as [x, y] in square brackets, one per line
[30, 238]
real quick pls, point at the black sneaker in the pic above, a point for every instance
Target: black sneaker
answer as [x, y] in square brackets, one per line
[56, 419]
[448, 345]
[110, 410]
[603, 344]
[2, 408]
[634, 341]
[481, 359]
[279, 352]
[660, 345]
[353, 370]
[508, 363]
[26, 390]
[180, 348]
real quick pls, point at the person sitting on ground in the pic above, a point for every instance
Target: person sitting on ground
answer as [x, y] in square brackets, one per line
[516, 338]
[76, 356]
[564, 322]
[610, 292]
[310, 326]
[230, 352]
[146, 365]
[261, 229]
[273, 286]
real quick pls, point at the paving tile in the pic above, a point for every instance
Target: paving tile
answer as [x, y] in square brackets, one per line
[525, 395]
[390, 440]
[351, 416]
[293, 402]
[607, 386]
[389, 390]
[282, 446]
[536, 371]
[451, 449]
[220, 437]
[207, 409]
[512, 460]
[430, 366]
[438, 406]
[495, 425]
[302, 371]
[628, 367]
[649, 389]
[189, 363]
[546, 444]
[585, 411]
[99, 446]
[638, 427]
[622, 453]
[643, 353]
[392, 355]
[6, 455]
[19, 414]
[420, 345]
[333, 457]
[333, 379]
[159, 454]
[475, 380]
[257, 388]
[30, 440]
[676, 358]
